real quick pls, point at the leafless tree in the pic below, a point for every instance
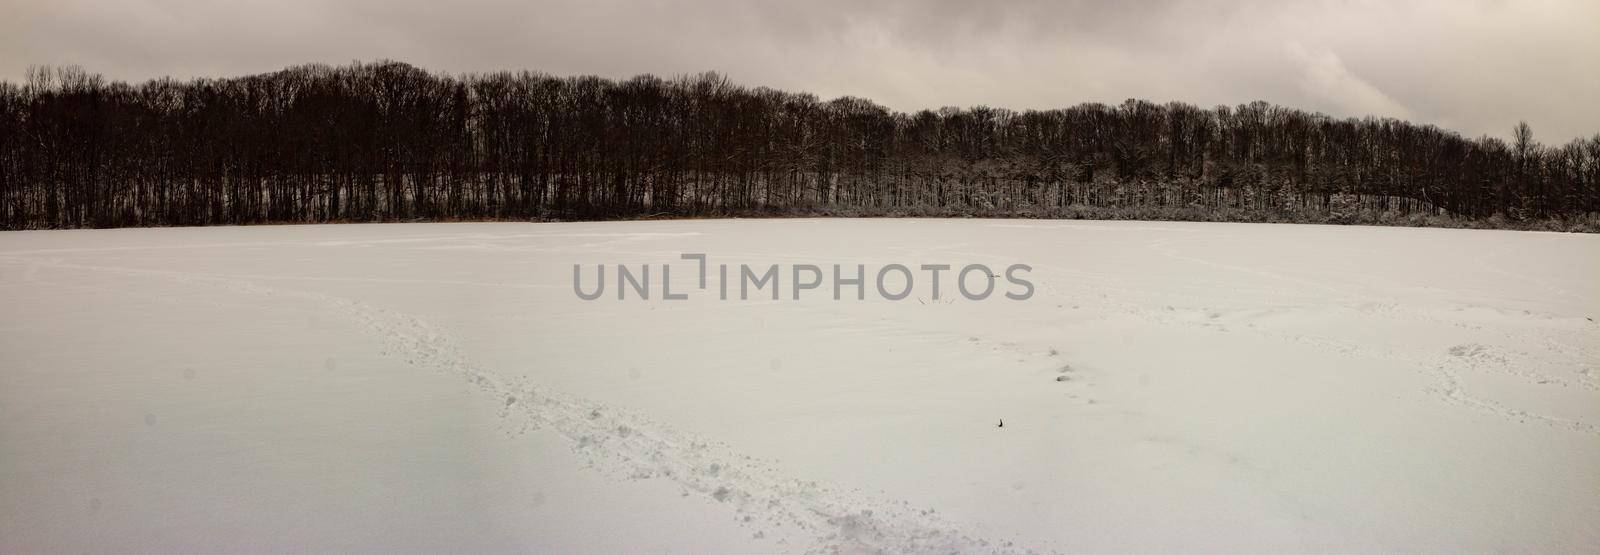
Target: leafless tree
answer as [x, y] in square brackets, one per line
[389, 142]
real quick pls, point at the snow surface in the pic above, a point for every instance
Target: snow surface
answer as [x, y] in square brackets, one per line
[440, 388]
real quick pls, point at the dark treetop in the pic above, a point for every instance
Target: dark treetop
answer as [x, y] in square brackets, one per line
[389, 142]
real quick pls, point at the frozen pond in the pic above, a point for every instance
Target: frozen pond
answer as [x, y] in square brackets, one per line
[443, 388]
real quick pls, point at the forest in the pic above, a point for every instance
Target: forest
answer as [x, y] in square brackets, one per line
[386, 142]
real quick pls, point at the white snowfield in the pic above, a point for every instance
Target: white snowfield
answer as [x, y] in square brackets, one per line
[441, 388]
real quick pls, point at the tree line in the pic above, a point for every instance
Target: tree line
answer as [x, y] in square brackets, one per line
[389, 142]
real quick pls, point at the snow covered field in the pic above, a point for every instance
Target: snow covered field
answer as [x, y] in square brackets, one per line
[441, 388]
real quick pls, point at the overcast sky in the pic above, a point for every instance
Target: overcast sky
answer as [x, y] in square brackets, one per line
[1475, 66]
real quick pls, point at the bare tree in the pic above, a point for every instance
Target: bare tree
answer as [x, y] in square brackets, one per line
[389, 142]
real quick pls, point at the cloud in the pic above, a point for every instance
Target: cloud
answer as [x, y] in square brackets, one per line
[1325, 80]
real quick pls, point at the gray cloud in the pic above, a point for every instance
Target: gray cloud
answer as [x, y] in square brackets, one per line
[1325, 80]
[1476, 66]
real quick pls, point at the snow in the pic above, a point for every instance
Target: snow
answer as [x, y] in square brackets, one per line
[440, 388]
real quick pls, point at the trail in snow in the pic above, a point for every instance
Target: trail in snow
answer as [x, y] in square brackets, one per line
[795, 515]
